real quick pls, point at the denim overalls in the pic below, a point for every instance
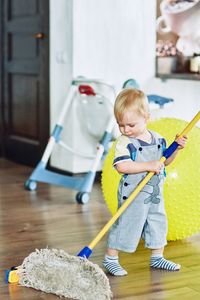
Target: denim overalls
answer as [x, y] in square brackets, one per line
[145, 217]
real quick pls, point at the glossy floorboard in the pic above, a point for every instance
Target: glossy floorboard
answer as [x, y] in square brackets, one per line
[51, 217]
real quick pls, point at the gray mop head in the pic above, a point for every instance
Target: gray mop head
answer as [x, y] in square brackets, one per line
[55, 271]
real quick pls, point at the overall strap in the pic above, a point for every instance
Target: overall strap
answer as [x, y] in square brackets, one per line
[159, 140]
[133, 146]
[135, 142]
[156, 136]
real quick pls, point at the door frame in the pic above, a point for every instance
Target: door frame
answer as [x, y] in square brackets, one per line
[1, 82]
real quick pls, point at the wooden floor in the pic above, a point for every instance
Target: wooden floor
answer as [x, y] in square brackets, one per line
[51, 217]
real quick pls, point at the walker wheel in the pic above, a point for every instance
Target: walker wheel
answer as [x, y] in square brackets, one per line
[30, 185]
[82, 197]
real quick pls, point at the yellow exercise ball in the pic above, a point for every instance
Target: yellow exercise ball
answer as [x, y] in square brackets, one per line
[182, 185]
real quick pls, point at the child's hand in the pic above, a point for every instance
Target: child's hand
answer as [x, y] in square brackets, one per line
[181, 141]
[155, 166]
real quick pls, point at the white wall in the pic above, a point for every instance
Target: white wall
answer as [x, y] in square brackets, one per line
[115, 40]
[61, 68]
[61, 58]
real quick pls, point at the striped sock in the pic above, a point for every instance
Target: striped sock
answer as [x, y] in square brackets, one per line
[112, 265]
[159, 262]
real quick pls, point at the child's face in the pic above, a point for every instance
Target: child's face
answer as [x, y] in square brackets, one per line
[132, 124]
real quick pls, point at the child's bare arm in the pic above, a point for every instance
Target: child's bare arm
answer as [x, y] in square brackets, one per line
[132, 167]
[182, 143]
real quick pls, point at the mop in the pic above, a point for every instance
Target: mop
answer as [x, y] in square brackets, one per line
[54, 271]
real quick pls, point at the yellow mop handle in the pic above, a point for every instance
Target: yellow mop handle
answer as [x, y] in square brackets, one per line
[137, 190]
[191, 124]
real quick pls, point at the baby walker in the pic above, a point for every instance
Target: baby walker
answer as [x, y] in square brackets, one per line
[88, 90]
[83, 184]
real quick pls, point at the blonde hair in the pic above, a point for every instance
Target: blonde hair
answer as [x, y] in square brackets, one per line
[131, 99]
